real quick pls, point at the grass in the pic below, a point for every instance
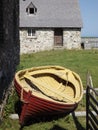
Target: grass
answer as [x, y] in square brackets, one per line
[66, 123]
[79, 61]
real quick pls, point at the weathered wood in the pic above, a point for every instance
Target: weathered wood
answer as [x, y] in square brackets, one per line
[9, 46]
[91, 103]
[2, 105]
[1, 22]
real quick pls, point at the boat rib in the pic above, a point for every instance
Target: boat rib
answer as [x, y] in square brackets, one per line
[48, 90]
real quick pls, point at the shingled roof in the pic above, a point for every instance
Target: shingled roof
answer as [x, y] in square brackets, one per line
[51, 13]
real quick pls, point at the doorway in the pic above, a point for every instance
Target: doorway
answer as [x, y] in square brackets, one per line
[58, 37]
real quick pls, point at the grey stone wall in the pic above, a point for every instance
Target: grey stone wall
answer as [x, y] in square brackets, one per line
[9, 46]
[89, 42]
[72, 38]
[44, 40]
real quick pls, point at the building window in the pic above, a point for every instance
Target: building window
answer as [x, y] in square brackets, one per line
[31, 9]
[31, 32]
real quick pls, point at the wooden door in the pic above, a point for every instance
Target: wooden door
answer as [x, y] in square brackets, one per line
[58, 37]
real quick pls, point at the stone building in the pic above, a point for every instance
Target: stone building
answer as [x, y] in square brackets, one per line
[49, 24]
[89, 43]
[9, 44]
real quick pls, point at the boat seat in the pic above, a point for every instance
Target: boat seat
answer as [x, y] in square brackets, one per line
[48, 90]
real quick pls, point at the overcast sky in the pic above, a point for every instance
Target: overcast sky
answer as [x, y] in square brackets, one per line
[89, 12]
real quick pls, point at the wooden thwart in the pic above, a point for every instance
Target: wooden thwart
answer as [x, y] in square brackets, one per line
[48, 90]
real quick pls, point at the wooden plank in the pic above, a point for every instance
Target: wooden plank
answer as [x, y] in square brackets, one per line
[96, 89]
[93, 116]
[95, 126]
[93, 107]
[94, 100]
[77, 114]
[48, 90]
[89, 127]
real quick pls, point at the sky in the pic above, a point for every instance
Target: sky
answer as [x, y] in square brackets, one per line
[89, 13]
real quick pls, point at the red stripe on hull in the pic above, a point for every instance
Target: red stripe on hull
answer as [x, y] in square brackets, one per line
[35, 106]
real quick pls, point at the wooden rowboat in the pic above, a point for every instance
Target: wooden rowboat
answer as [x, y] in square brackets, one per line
[47, 90]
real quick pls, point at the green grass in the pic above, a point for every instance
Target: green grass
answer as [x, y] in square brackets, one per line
[66, 123]
[79, 61]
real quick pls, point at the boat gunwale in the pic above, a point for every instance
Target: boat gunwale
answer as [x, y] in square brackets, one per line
[49, 67]
[39, 97]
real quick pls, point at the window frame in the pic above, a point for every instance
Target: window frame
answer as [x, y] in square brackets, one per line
[31, 33]
[31, 9]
